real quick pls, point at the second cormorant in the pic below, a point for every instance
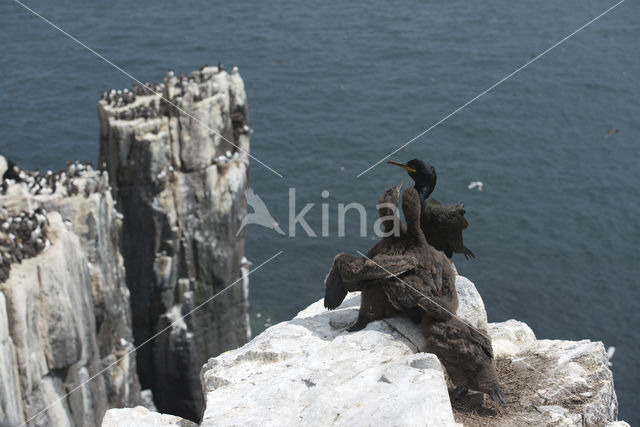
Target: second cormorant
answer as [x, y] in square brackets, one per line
[442, 224]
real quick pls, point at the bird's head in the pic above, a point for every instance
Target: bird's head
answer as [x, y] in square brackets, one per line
[423, 174]
[391, 195]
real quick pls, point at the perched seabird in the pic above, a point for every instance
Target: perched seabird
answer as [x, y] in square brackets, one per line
[400, 273]
[610, 352]
[442, 224]
[406, 272]
[466, 354]
[12, 172]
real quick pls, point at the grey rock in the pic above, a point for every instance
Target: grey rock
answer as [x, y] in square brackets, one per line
[67, 311]
[309, 371]
[183, 201]
[471, 307]
[306, 372]
[10, 401]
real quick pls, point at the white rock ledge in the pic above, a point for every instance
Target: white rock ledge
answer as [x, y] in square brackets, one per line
[141, 416]
[308, 371]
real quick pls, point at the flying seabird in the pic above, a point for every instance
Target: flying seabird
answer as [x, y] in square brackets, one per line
[475, 184]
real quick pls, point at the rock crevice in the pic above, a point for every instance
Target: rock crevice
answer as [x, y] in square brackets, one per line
[180, 180]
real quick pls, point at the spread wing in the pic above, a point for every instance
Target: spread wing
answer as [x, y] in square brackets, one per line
[379, 267]
[443, 225]
[351, 274]
[421, 289]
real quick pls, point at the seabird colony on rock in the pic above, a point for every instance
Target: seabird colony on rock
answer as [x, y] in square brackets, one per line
[405, 272]
[43, 183]
[24, 235]
[146, 106]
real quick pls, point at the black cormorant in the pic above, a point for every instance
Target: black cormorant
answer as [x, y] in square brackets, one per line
[400, 273]
[466, 354]
[442, 225]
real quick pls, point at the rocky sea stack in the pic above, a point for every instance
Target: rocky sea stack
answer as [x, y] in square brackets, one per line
[97, 261]
[179, 173]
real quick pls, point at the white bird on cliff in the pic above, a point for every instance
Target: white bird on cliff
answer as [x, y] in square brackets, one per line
[610, 352]
[260, 214]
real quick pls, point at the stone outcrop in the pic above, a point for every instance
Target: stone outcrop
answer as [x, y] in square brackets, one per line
[179, 173]
[309, 371]
[64, 311]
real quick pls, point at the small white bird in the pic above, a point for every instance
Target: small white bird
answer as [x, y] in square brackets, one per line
[475, 184]
[610, 352]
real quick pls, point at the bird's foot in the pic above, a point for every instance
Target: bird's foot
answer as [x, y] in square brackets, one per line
[357, 326]
[457, 393]
[496, 394]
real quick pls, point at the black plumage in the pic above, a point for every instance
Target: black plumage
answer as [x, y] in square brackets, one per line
[441, 224]
[404, 273]
[400, 273]
[466, 354]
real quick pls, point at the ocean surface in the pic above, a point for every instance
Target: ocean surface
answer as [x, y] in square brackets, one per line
[333, 87]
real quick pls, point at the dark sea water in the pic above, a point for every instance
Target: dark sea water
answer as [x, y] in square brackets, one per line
[333, 87]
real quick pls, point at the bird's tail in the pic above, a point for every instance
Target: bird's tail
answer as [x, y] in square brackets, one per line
[495, 393]
[467, 253]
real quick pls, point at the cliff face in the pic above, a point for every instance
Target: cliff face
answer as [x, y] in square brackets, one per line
[64, 306]
[181, 186]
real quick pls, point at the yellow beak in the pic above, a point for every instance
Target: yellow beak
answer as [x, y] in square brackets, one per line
[403, 166]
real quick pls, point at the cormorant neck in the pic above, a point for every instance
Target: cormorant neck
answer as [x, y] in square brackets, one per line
[413, 225]
[387, 224]
[424, 190]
